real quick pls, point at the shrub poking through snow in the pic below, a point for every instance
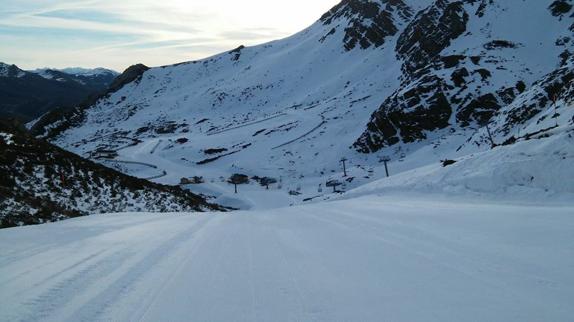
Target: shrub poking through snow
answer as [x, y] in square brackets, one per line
[333, 183]
[447, 162]
[267, 181]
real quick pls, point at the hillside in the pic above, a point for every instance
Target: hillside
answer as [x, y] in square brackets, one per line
[415, 81]
[41, 183]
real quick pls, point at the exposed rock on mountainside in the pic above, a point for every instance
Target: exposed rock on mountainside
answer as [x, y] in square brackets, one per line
[41, 183]
[539, 103]
[408, 114]
[133, 73]
[430, 33]
[473, 83]
[370, 22]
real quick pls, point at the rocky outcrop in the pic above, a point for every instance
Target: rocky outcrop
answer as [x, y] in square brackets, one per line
[556, 86]
[370, 22]
[473, 87]
[479, 110]
[133, 73]
[424, 100]
[430, 32]
[560, 7]
[407, 115]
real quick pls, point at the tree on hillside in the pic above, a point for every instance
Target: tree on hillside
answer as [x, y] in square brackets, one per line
[266, 181]
[333, 183]
[238, 179]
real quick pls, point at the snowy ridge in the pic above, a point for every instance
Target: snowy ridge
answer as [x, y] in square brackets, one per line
[11, 71]
[48, 73]
[88, 72]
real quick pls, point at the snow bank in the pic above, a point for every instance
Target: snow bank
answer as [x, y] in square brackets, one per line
[534, 170]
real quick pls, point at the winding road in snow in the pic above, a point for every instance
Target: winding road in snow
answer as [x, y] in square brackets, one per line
[369, 259]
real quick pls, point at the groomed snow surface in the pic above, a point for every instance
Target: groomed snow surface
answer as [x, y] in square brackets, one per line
[365, 259]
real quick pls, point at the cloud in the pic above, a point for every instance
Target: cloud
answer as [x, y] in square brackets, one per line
[253, 34]
[117, 33]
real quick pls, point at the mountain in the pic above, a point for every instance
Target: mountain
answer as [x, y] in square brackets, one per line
[463, 61]
[98, 79]
[27, 95]
[41, 183]
[417, 81]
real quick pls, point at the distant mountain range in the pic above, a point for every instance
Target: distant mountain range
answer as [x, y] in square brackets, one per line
[26, 95]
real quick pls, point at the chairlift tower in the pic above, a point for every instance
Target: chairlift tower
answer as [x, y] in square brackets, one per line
[344, 160]
[386, 159]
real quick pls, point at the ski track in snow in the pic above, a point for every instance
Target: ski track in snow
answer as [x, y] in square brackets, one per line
[366, 259]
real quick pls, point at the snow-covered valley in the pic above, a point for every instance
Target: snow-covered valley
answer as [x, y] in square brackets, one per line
[351, 86]
[365, 259]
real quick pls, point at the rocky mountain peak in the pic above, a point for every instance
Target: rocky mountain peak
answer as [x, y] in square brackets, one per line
[129, 75]
[10, 71]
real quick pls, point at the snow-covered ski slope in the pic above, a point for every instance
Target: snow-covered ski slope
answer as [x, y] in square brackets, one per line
[292, 108]
[366, 259]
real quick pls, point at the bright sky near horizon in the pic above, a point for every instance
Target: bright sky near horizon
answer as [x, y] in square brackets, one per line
[116, 34]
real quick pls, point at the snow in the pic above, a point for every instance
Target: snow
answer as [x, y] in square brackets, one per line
[536, 170]
[4, 70]
[7, 138]
[365, 259]
[78, 71]
[44, 72]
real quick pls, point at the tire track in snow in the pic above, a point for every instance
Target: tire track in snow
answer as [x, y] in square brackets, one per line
[58, 296]
[245, 124]
[323, 122]
[197, 241]
[155, 147]
[149, 165]
[124, 284]
[25, 274]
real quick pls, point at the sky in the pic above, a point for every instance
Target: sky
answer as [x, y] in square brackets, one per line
[118, 33]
